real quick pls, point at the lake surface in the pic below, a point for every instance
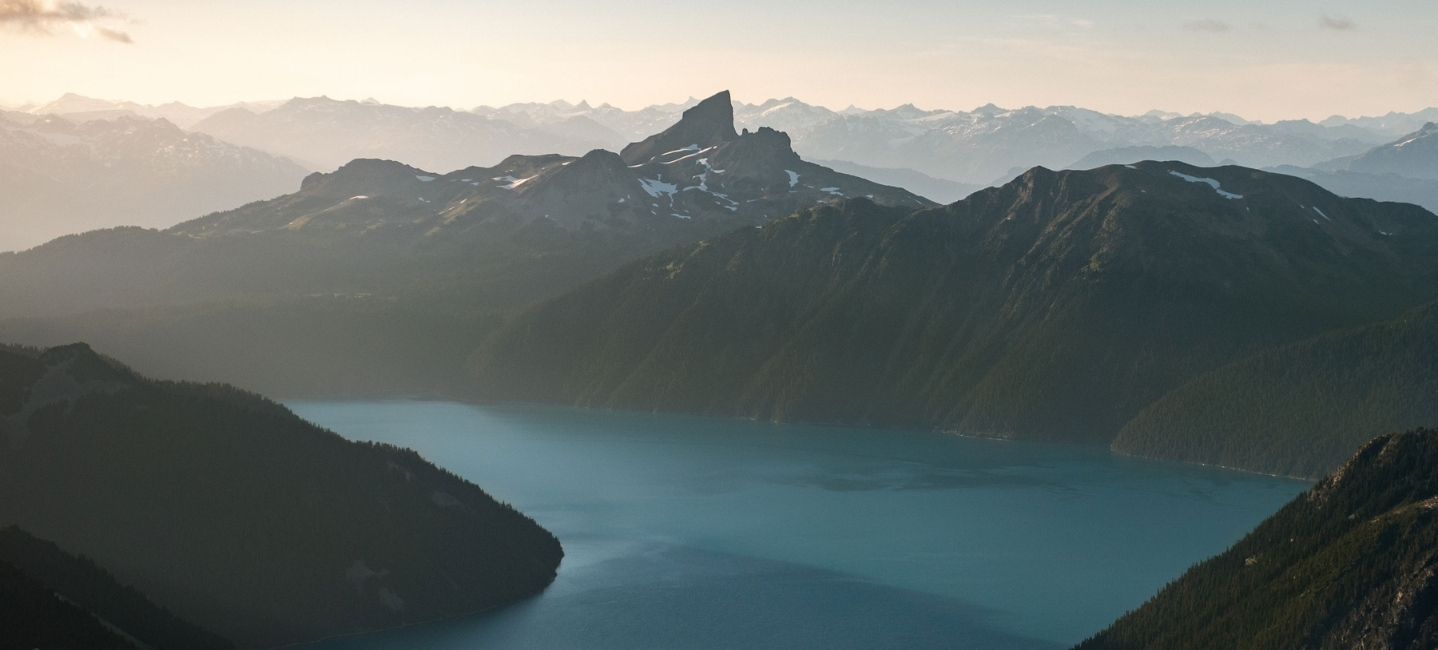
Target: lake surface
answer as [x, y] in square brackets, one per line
[685, 532]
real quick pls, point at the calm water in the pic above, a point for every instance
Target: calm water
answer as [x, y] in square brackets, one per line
[684, 532]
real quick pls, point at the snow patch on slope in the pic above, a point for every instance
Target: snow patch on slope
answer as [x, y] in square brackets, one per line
[1212, 183]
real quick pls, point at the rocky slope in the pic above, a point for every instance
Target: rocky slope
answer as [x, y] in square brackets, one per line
[1352, 563]
[1055, 307]
[233, 513]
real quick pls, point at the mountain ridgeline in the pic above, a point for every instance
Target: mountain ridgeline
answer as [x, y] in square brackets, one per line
[1349, 564]
[234, 514]
[380, 278]
[1056, 307]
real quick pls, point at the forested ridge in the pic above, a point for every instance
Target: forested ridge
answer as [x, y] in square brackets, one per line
[230, 511]
[1352, 563]
[1056, 307]
[1302, 409]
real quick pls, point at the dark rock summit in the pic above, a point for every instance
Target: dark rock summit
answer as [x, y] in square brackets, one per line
[708, 124]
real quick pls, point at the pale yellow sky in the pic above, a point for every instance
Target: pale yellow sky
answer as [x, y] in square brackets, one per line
[1273, 60]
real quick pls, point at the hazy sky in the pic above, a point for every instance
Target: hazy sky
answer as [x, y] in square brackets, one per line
[1268, 59]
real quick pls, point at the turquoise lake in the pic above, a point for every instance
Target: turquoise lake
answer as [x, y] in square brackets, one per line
[686, 532]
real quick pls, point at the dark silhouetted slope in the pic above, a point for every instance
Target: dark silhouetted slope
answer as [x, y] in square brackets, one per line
[32, 616]
[233, 513]
[1055, 307]
[84, 585]
[1349, 564]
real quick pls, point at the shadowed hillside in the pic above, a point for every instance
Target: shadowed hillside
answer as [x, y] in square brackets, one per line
[233, 513]
[82, 585]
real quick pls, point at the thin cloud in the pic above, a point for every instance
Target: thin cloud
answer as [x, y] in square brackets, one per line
[47, 17]
[1207, 25]
[114, 35]
[1338, 24]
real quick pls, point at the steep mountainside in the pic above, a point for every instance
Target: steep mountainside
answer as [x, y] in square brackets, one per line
[1352, 563]
[381, 276]
[59, 177]
[83, 585]
[1302, 409]
[1055, 307]
[233, 513]
[1414, 155]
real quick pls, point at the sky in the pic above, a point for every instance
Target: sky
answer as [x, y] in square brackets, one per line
[1269, 60]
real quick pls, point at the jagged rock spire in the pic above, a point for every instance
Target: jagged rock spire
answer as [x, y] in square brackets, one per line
[709, 123]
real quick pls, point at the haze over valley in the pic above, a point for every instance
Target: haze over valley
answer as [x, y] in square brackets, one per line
[680, 367]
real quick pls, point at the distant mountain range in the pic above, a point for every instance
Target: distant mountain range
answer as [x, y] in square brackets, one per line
[324, 134]
[232, 513]
[334, 281]
[382, 278]
[979, 147]
[59, 177]
[1414, 155]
